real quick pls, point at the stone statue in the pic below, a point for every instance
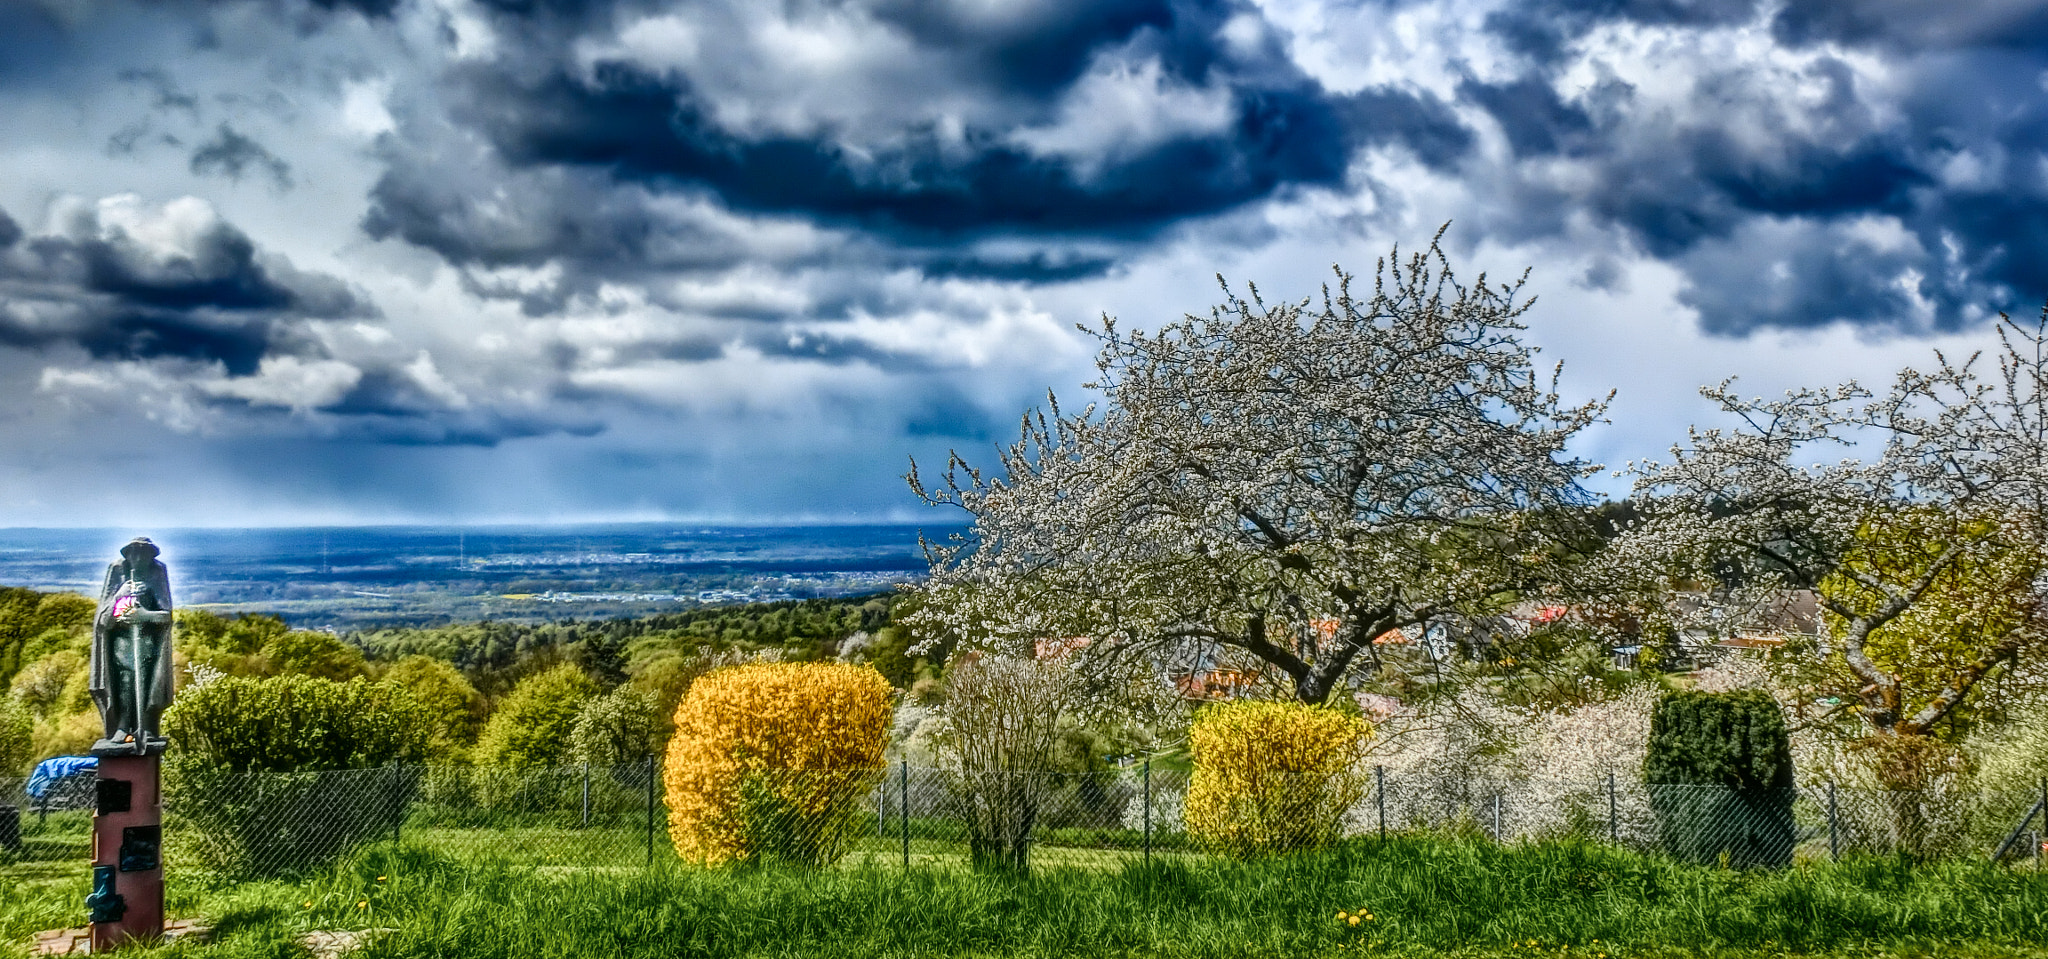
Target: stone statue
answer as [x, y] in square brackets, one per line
[131, 652]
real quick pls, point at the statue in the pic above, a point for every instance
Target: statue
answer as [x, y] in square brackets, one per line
[131, 652]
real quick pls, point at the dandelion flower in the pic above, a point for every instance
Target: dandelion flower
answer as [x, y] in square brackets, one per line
[362, 903]
[381, 879]
[1342, 916]
[309, 905]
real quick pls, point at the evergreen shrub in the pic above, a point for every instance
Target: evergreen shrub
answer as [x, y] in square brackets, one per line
[1719, 770]
[773, 761]
[1273, 777]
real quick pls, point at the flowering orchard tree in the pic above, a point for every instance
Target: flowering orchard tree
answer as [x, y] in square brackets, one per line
[1274, 482]
[1925, 555]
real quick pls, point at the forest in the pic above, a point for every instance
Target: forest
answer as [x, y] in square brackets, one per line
[468, 675]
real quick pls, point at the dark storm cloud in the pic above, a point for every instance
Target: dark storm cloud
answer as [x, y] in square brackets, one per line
[33, 43]
[587, 149]
[1544, 29]
[1768, 202]
[233, 155]
[641, 128]
[207, 294]
[1914, 24]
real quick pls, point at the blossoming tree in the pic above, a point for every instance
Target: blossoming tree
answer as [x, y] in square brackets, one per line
[1925, 554]
[1279, 482]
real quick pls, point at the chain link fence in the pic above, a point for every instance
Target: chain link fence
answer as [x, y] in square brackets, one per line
[255, 825]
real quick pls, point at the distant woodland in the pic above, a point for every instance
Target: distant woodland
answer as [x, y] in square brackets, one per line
[493, 692]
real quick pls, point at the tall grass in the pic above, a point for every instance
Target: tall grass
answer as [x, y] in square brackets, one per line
[1424, 895]
[1429, 896]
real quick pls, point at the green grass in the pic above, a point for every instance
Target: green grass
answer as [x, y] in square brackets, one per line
[1428, 896]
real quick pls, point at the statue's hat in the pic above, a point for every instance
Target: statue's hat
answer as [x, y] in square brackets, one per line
[140, 544]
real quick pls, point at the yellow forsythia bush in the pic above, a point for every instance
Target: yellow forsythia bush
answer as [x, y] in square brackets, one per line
[1273, 777]
[772, 761]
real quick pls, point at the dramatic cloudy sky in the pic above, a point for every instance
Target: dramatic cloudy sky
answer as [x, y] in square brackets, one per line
[276, 261]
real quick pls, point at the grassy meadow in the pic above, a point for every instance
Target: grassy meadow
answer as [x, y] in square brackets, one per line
[1411, 896]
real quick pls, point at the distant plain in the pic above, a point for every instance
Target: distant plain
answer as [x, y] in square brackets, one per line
[344, 578]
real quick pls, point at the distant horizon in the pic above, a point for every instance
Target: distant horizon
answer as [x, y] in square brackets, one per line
[367, 577]
[766, 523]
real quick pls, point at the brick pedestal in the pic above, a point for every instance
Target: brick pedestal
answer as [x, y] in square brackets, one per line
[127, 835]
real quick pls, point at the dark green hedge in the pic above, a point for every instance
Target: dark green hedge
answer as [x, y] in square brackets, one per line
[1719, 770]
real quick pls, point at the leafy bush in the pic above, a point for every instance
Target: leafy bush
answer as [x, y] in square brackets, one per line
[254, 768]
[293, 723]
[614, 729]
[772, 761]
[455, 710]
[531, 726]
[1719, 769]
[1273, 777]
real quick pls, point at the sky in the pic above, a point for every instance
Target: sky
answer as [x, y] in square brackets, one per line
[275, 262]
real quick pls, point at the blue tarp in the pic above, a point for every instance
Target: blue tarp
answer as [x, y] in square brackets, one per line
[50, 771]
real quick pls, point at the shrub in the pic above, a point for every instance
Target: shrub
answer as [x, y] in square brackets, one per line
[291, 724]
[772, 761]
[1000, 736]
[1273, 777]
[531, 726]
[1719, 769]
[276, 775]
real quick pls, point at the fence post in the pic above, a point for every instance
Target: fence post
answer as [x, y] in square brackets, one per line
[1148, 812]
[586, 796]
[397, 801]
[1613, 813]
[1379, 795]
[903, 796]
[650, 809]
[1834, 826]
[2041, 838]
[1496, 816]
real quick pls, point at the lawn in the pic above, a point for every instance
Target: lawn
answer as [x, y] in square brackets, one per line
[1413, 896]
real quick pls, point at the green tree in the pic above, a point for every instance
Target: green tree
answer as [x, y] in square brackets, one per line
[531, 726]
[309, 653]
[16, 736]
[33, 624]
[41, 685]
[616, 728]
[455, 710]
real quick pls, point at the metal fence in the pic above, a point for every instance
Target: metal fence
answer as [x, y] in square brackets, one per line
[246, 825]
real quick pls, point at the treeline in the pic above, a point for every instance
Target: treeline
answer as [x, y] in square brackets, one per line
[490, 692]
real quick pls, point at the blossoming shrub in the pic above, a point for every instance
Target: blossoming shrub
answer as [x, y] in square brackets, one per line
[1273, 777]
[772, 761]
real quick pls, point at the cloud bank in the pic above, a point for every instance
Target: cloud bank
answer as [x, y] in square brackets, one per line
[479, 259]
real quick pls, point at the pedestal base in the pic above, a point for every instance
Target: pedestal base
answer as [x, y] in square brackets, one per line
[127, 850]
